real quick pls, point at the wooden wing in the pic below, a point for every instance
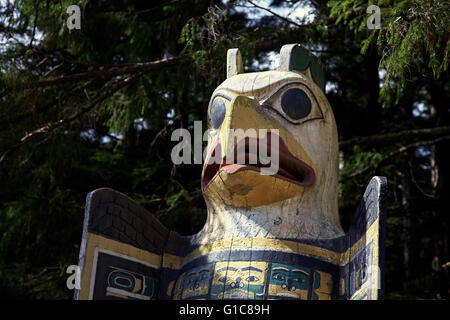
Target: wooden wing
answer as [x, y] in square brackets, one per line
[362, 277]
[121, 249]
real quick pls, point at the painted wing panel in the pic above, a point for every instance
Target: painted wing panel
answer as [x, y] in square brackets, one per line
[363, 275]
[121, 249]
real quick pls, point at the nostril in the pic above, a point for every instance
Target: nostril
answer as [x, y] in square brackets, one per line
[218, 111]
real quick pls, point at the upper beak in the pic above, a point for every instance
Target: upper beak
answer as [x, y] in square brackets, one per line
[244, 114]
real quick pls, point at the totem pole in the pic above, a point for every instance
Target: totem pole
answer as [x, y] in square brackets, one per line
[268, 235]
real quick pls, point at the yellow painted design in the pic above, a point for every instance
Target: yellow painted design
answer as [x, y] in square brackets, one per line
[239, 279]
[117, 295]
[94, 241]
[169, 288]
[325, 288]
[172, 261]
[342, 287]
[177, 291]
[176, 262]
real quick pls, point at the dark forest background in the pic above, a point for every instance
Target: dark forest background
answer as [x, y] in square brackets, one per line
[95, 107]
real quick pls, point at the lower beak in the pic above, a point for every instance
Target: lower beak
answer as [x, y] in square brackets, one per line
[289, 167]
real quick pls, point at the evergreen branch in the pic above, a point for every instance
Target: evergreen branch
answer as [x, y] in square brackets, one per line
[414, 181]
[396, 136]
[360, 10]
[394, 153]
[34, 28]
[275, 14]
[156, 7]
[271, 43]
[108, 90]
[9, 30]
[39, 108]
[110, 73]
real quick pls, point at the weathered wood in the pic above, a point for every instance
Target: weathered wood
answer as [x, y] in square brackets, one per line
[234, 63]
[267, 236]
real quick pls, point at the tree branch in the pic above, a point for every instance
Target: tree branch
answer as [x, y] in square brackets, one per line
[272, 43]
[275, 14]
[34, 27]
[394, 153]
[9, 30]
[39, 108]
[402, 135]
[108, 91]
[113, 72]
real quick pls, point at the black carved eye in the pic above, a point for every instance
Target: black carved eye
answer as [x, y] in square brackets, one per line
[295, 103]
[252, 279]
[218, 111]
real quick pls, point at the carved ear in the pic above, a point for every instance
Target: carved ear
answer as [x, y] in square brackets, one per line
[293, 57]
[234, 62]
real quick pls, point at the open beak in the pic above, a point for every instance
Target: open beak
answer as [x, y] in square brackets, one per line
[250, 176]
[290, 168]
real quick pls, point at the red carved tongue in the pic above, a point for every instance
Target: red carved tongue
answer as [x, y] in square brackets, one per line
[289, 167]
[233, 168]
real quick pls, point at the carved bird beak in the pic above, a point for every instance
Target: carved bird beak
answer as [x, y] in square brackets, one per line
[290, 168]
[293, 168]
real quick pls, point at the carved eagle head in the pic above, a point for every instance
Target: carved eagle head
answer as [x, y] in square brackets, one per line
[287, 106]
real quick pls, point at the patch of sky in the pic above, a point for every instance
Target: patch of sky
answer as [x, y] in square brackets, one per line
[420, 110]
[331, 87]
[170, 115]
[423, 152]
[299, 12]
[13, 22]
[92, 136]
[140, 124]
[381, 76]
[89, 135]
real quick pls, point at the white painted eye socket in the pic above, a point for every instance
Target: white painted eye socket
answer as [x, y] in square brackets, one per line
[293, 288]
[295, 102]
[284, 285]
[233, 284]
[241, 284]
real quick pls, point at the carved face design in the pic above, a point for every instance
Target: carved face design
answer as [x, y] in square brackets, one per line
[282, 108]
[194, 282]
[289, 281]
[239, 280]
[129, 285]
